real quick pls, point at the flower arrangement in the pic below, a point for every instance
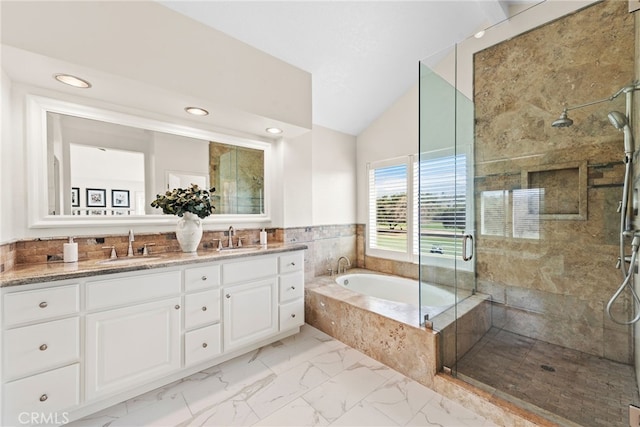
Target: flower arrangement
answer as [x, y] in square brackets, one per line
[179, 201]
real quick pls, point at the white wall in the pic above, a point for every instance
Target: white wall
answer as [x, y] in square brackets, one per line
[7, 209]
[393, 134]
[147, 42]
[297, 181]
[333, 186]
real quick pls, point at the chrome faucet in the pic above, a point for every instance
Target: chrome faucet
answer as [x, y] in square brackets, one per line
[131, 239]
[346, 266]
[231, 233]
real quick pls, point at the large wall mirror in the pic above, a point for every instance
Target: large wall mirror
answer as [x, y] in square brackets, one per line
[92, 166]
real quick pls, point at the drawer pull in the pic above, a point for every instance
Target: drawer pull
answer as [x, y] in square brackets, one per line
[204, 308]
[177, 307]
[43, 304]
[293, 263]
[43, 347]
[204, 345]
[228, 296]
[43, 398]
[293, 288]
[293, 315]
[204, 278]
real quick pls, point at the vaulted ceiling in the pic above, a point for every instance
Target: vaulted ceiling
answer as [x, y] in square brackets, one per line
[362, 55]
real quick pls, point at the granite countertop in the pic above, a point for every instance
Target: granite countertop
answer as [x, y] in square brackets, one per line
[24, 274]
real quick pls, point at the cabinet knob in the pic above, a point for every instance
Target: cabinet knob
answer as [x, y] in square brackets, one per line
[228, 296]
[293, 315]
[43, 304]
[204, 308]
[43, 347]
[204, 278]
[293, 288]
[177, 306]
[204, 345]
[43, 397]
[292, 263]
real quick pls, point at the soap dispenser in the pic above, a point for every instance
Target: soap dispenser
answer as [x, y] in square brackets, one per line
[70, 251]
[263, 237]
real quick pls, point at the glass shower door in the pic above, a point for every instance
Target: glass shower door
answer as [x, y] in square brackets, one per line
[446, 211]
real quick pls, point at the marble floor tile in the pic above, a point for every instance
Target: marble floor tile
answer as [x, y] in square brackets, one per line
[285, 388]
[364, 414]
[296, 414]
[400, 398]
[308, 379]
[444, 412]
[168, 412]
[333, 398]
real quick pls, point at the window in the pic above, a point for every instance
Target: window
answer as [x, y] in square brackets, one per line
[388, 207]
[400, 189]
[443, 205]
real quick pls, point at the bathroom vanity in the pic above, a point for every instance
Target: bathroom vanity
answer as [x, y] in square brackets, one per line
[77, 341]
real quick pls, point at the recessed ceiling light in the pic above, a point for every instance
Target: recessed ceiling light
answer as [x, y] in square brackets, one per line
[274, 131]
[197, 111]
[70, 80]
[479, 34]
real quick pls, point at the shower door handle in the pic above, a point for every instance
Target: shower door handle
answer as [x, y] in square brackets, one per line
[465, 239]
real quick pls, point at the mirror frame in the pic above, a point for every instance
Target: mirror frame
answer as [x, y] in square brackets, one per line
[37, 108]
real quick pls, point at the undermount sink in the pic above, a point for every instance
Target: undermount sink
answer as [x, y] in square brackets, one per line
[239, 249]
[129, 260]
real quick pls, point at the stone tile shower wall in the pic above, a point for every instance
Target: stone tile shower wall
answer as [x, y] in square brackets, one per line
[548, 258]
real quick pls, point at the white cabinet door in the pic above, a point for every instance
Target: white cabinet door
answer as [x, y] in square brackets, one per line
[129, 346]
[250, 312]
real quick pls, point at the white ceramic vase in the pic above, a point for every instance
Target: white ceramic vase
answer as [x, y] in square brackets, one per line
[189, 232]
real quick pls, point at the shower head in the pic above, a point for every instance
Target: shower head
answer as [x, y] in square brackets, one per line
[618, 120]
[563, 121]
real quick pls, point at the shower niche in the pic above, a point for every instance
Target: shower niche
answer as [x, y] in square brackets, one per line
[561, 190]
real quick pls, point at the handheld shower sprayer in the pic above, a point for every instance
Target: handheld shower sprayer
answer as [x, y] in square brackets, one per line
[621, 122]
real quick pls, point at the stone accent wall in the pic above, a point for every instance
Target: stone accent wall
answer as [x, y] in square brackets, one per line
[8, 256]
[326, 244]
[551, 279]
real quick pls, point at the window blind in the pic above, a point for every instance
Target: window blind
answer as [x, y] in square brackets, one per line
[388, 205]
[442, 203]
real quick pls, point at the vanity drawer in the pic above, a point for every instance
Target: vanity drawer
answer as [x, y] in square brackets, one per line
[202, 344]
[291, 262]
[41, 304]
[130, 289]
[291, 286]
[248, 270]
[49, 393]
[291, 315]
[201, 277]
[201, 308]
[39, 347]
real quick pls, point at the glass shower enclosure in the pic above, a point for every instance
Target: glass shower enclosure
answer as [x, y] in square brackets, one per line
[519, 219]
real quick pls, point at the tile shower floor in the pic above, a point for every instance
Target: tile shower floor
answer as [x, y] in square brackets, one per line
[308, 379]
[585, 389]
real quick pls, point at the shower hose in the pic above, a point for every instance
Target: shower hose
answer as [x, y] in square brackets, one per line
[627, 275]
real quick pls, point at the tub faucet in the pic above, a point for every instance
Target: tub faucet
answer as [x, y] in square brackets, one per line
[347, 265]
[231, 233]
[131, 239]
